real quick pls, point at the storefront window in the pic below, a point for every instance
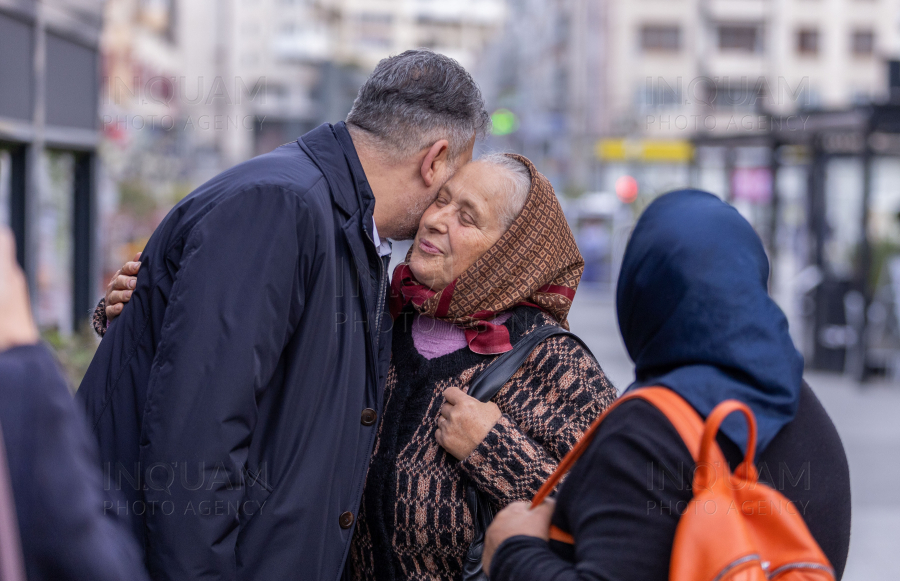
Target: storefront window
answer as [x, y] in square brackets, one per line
[843, 204]
[54, 252]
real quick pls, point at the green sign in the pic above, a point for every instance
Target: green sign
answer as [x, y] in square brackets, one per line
[504, 122]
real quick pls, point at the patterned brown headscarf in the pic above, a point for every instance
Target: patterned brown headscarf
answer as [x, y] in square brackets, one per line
[536, 262]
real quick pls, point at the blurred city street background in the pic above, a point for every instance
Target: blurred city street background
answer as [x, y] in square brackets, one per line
[112, 111]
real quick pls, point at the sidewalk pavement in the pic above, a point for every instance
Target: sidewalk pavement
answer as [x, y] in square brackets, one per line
[867, 418]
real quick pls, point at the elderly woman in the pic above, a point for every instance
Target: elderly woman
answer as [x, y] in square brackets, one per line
[493, 260]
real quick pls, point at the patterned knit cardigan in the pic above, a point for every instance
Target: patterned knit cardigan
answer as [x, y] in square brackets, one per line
[415, 521]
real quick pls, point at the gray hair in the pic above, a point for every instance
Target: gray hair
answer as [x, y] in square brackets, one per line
[516, 179]
[416, 98]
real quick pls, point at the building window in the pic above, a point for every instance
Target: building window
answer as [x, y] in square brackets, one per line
[808, 41]
[657, 94]
[863, 42]
[745, 95]
[53, 308]
[664, 38]
[740, 38]
[375, 29]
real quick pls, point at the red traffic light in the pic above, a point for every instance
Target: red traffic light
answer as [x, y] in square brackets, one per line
[626, 189]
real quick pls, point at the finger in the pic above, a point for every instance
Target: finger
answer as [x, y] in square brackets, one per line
[124, 282]
[548, 506]
[112, 281]
[543, 510]
[114, 311]
[439, 436]
[454, 395]
[131, 268]
[518, 507]
[137, 256]
[116, 297]
[446, 410]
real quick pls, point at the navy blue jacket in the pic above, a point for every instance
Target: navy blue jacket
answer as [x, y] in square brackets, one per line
[233, 398]
[60, 502]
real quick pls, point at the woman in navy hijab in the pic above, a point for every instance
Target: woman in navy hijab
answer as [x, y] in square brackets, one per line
[696, 317]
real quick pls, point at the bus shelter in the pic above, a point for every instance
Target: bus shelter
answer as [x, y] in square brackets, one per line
[823, 190]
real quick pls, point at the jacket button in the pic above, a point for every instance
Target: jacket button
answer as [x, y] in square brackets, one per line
[369, 416]
[346, 520]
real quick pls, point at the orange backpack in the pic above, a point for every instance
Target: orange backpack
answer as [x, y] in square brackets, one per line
[735, 528]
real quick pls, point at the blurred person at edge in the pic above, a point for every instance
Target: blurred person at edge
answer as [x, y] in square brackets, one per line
[696, 318]
[494, 243]
[236, 399]
[56, 485]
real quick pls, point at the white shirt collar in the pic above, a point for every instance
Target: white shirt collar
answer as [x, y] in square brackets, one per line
[382, 246]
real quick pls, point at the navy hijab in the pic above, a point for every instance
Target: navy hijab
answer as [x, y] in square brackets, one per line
[696, 316]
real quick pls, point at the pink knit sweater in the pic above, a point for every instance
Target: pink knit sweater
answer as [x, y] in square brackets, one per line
[434, 338]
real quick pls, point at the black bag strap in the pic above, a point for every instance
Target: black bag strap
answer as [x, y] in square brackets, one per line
[483, 388]
[492, 379]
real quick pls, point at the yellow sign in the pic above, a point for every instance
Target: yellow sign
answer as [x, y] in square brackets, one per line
[644, 150]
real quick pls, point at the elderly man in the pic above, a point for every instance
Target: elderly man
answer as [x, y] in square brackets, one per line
[238, 412]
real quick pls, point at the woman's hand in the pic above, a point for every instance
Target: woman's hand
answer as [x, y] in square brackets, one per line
[120, 287]
[516, 519]
[16, 323]
[464, 422]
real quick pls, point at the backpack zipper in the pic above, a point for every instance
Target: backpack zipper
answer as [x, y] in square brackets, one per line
[792, 566]
[731, 566]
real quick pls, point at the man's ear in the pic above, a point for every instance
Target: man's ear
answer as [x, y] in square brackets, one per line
[436, 158]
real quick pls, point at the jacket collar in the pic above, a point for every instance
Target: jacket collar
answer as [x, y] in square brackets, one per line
[331, 148]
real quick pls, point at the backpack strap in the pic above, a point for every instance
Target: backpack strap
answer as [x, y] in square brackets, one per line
[686, 421]
[500, 371]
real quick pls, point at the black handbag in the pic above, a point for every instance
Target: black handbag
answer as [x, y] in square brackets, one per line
[483, 388]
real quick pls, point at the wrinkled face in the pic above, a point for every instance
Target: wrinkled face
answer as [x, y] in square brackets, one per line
[462, 223]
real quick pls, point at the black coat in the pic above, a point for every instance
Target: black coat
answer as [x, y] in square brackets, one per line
[228, 397]
[60, 503]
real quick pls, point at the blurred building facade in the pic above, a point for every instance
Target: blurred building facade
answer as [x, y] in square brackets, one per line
[718, 66]
[49, 78]
[248, 75]
[717, 57]
[599, 85]
[546, 74]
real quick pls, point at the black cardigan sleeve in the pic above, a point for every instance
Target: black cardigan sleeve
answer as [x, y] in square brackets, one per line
[98, 320]
[616, 503]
